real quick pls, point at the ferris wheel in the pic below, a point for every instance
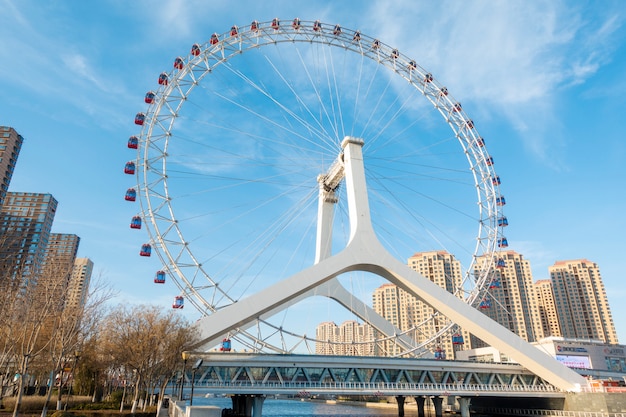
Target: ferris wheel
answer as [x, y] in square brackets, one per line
[232, 145]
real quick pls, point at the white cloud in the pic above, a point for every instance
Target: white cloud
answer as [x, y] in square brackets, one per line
[510, 59]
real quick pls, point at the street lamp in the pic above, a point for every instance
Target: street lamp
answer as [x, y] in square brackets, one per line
[182, 377]
[193, 378]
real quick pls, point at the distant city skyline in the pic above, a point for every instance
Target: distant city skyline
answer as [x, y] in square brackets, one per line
[543, 82]
[572, 305]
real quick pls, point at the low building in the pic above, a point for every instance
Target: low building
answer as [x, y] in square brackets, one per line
[591, 358]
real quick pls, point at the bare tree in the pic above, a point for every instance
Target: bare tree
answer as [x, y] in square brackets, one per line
[72, 326]
[35, 307]
[146, 341]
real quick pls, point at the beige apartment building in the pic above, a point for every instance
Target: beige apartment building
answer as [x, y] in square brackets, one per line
[350, 338]
[581, 302]
[410, 314]
[547, 308]
[511, 299]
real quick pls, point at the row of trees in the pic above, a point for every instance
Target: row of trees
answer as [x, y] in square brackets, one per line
[48, 345]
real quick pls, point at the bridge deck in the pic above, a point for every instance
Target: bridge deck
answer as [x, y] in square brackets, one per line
[310, 375]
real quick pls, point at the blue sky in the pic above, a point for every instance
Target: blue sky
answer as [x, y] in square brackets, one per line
[544, 82]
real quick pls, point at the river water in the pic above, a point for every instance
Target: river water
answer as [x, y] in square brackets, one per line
[296, 408]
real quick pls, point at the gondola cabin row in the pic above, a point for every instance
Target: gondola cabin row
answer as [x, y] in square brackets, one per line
[135, 222]
[146, 250]
[159, 277]
[179, 302]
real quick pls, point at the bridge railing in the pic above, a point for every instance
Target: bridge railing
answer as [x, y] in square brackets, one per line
[372, 388]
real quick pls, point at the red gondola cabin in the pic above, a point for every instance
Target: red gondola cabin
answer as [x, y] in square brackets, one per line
[146, 250]
[135, 222]
[149, 98]
[275, 23]
[159, 277]
[234, 31]
[140, 118]
[131, 195]
[440, 354]
[179, 302]
[214, 39]
[129, 168]
[133, 142]
[179, 63]
[163, 79]
[195, 49]
[226, 345]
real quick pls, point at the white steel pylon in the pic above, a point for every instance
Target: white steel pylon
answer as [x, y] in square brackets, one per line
[364, 252]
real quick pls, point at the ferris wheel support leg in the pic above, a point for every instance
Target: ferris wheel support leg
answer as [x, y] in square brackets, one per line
[325, 212]
[364, 252]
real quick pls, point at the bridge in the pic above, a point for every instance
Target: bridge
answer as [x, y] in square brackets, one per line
[250, 377]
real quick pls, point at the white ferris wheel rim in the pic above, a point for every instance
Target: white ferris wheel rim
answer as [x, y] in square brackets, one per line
[156, 206]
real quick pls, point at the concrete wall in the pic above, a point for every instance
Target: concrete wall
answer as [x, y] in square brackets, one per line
[596, 401]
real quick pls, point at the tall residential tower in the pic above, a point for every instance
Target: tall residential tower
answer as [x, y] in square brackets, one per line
[10, 145]
[25, 223]
[581, 301]
[511, 300]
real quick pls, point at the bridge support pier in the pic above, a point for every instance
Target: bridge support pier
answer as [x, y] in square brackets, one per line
[420, 406]
[464, 405]
[400, 402]
[248, 405]
[438, 403]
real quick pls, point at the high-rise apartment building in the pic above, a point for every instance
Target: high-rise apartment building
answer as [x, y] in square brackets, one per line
[581, 302]
[25, 223]
[511, 299]
[412, 315]
[79, 283]
[58, 264]
[10, 145]
[547, 308]
[350, 338]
